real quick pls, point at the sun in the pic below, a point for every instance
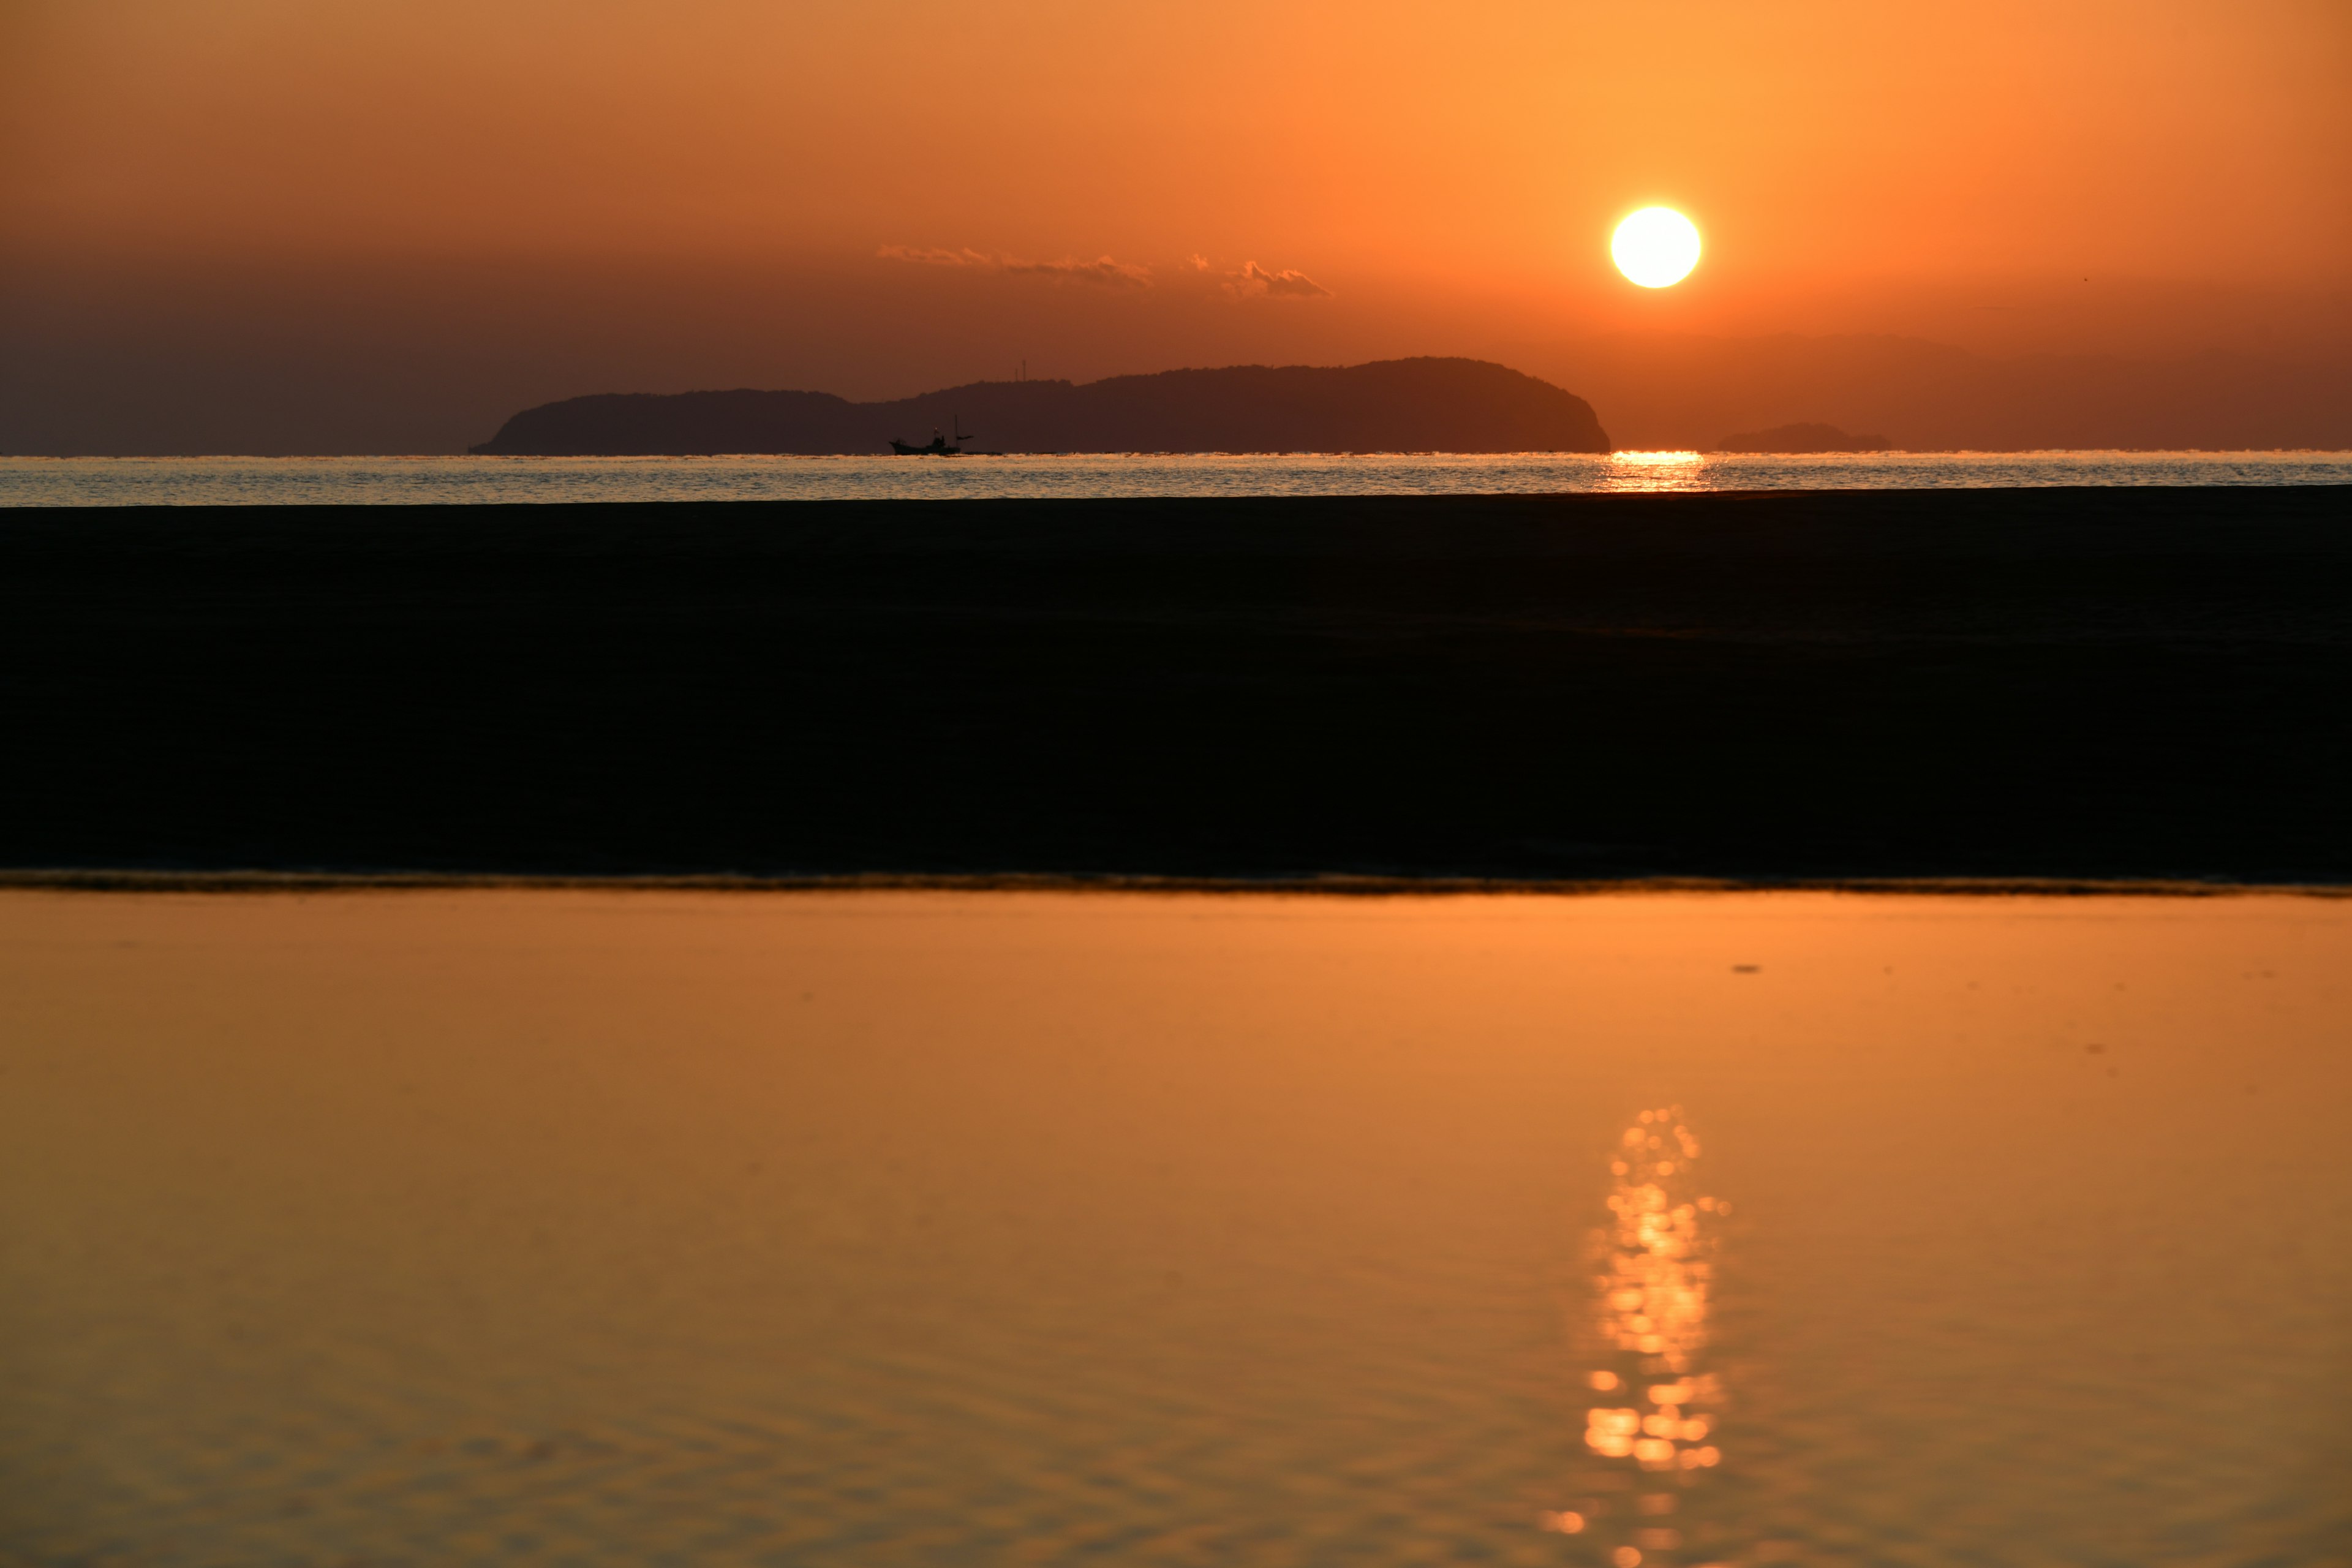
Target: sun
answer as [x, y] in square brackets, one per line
[1655, 247]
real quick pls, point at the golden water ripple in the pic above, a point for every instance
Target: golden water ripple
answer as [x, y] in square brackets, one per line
[931, 1230]
[1654, 1426]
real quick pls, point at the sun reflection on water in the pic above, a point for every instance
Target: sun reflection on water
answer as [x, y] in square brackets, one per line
[1650, 1430]
[1656, 472]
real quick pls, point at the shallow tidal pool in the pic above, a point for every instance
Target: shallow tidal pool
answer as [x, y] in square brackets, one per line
[518, 1226]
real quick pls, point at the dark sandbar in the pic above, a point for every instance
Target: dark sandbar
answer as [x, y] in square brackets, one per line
[2091, 684]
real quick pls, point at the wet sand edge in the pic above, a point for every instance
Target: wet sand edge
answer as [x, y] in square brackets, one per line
[141, 880]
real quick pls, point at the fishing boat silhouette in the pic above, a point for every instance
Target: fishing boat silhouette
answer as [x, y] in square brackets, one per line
[938, 445]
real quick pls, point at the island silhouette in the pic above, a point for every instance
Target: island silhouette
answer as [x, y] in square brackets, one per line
[1390, 405]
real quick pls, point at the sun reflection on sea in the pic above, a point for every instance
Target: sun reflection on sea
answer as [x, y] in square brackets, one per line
[1649, 1428]
[1654, 471]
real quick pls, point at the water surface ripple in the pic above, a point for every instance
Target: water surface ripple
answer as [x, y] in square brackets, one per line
[312, 481]
[932, 1229]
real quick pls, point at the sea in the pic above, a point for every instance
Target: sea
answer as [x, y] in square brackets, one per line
[440, 480]
[903, 1229]
[1654, 1227]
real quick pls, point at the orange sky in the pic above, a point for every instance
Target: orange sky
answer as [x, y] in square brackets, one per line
[2066, 174]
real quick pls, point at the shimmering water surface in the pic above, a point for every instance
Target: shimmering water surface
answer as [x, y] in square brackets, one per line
[523, 1227]
[193, 482]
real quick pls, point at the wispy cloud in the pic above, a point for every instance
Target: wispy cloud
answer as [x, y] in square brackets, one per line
[1258, 281]
[1250, 282]
[1103, 272]
[931, 256]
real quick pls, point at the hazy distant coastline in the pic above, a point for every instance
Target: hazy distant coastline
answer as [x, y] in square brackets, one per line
[1390, 405]
[336, 393]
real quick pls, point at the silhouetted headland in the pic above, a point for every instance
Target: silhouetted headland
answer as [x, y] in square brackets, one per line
[1801, 439]
[2061, 683]
[1393, 406]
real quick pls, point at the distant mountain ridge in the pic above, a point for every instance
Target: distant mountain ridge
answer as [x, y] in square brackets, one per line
[1677, 390]
[1389, 405]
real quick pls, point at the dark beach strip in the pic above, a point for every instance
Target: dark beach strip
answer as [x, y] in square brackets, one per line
[2052, 689]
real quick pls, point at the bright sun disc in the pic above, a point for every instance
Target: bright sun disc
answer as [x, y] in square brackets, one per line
[1656, 247]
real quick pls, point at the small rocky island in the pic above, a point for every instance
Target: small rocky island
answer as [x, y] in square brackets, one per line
[1391, 405]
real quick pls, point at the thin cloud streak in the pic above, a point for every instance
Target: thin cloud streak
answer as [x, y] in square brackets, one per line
[1249, 281]
[1103, 271]
[931, 256]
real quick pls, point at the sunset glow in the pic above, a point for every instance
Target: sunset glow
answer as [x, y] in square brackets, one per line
[1190, 781]
[718, 193]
